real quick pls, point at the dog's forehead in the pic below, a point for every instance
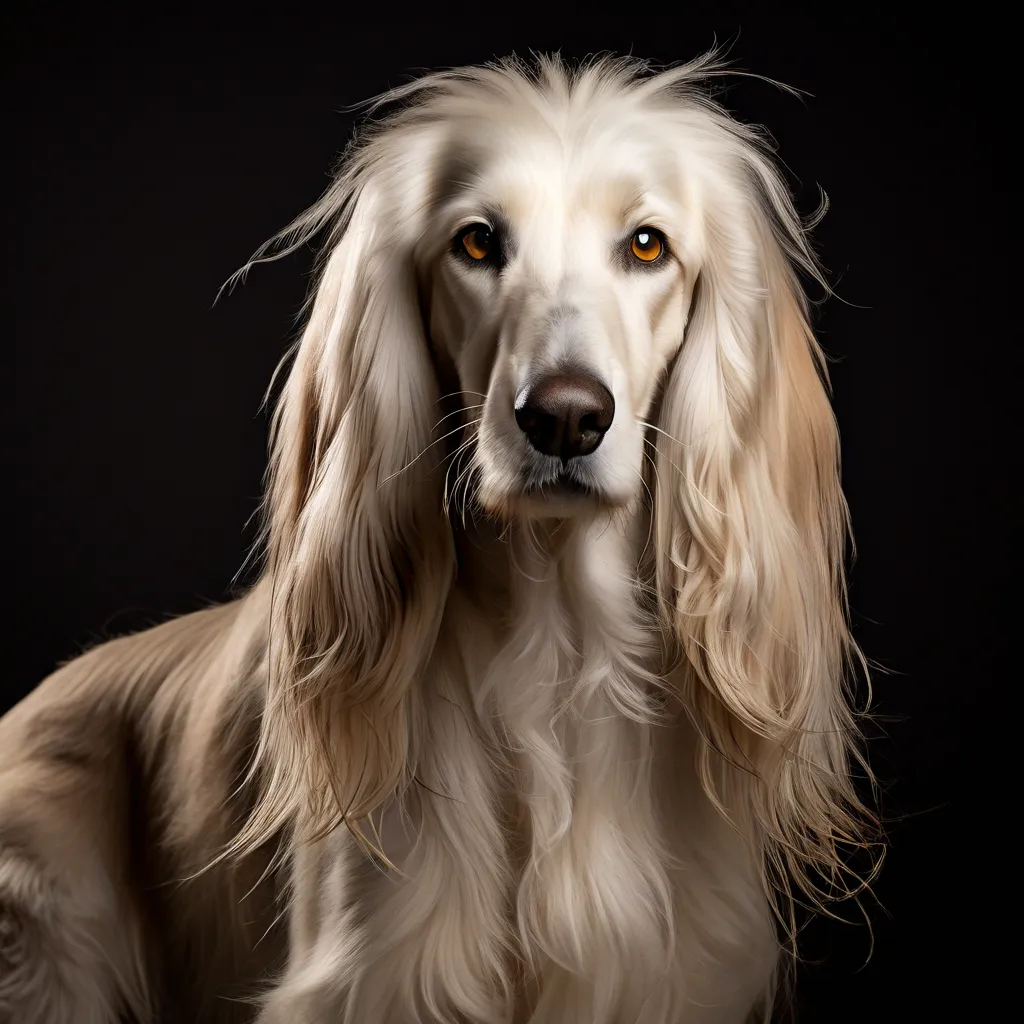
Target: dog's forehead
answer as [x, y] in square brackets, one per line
[573, 172]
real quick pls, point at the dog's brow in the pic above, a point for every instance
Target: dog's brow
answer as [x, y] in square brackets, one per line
[635, 198]
[453, 174]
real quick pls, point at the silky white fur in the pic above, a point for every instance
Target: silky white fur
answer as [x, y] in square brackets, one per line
[516, 758]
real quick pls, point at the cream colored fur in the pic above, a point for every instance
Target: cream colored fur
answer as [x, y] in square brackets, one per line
[464, 754]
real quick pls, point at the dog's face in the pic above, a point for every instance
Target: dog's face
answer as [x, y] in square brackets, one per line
[563, 269]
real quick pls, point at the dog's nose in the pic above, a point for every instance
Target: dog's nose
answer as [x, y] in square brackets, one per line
[566, 414]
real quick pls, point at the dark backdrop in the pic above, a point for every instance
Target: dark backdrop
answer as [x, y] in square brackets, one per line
[145, 162]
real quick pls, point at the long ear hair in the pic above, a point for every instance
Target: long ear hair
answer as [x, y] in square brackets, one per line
[359, 551]
[751, 529]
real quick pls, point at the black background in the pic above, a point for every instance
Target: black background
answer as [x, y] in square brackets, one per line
[145, 162]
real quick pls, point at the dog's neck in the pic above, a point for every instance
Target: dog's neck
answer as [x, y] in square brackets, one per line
[573, 588]
[496, 559]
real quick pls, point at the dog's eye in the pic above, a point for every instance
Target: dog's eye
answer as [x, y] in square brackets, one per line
[647, 245]
[478, 241]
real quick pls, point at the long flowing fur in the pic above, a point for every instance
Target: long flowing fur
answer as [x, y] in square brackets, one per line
[751, 539]
[506, 768]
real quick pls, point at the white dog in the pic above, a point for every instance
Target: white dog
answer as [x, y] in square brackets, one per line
[537, 710]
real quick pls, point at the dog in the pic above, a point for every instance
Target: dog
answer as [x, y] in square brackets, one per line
[537, 710]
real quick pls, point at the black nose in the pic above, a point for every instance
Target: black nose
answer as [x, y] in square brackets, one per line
[566, 414]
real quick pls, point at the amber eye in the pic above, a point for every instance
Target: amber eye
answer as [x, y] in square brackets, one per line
[478, 241]
[646, 245]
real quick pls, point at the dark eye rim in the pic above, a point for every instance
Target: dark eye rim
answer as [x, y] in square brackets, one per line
[493, 259]
[635, 260]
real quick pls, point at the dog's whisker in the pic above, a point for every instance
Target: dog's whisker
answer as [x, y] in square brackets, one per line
[417, 457]
[688, 478]
[458, 412]
[457, 394]
[468, 467]
[659, 430]
[438, 440]
[456, 456]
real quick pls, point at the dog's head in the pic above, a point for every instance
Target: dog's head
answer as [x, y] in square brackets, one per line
[535, 244]
[598, 267]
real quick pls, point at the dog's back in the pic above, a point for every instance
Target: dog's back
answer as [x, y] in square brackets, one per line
[119, 784]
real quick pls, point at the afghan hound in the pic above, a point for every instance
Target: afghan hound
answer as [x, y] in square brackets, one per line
[538, 710]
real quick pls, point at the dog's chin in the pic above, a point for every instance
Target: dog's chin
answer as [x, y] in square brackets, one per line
[563, 498]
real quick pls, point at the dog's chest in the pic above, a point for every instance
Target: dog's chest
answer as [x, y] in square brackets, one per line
[529, 833]
[518, 724]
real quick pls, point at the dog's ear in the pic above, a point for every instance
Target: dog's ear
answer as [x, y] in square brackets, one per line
[359, 550]
[751, 531]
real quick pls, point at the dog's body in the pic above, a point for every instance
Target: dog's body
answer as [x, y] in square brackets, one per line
[543, 757]
[118, 777]
[120, 783]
